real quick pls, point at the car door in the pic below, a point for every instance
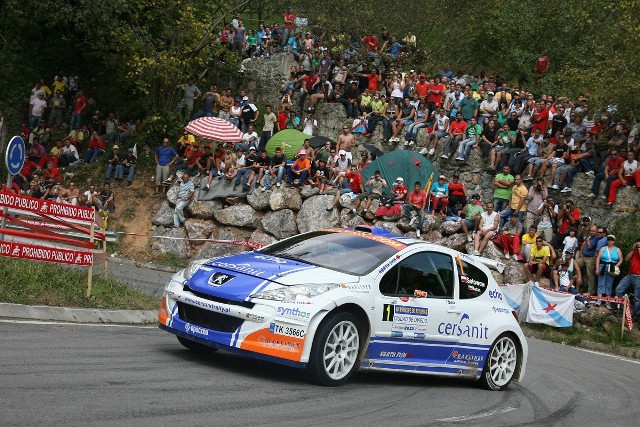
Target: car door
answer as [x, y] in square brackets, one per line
[408, 331]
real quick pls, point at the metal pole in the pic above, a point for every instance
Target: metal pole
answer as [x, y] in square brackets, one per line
[5, 210]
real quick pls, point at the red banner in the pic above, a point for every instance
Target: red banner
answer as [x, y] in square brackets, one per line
[47, 207]
[628, 315]
[47, 254]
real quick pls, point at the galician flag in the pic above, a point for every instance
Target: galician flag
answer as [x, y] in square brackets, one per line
[550, 308]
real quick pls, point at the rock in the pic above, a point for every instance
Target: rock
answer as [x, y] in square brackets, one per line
[390, 226]
[348, 220]
[259, 200]
[433, 236]
[233, 201]
[263, 238]
[199, 229]
[285, 198]
[330, 119]
[514, 272]
[238, 216]
[455, 241]
[213, 249]
[308, 191]
[178, 247]
[449, 227]
[204, 209]
[313, 215]
[164, 216]
[172, 195]
[281, 224]
[491, 251]
[345, 201]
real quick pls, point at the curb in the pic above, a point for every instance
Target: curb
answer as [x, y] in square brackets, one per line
[77, 315]
[148, 265]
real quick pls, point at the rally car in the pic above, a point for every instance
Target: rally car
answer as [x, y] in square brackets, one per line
[338, 300]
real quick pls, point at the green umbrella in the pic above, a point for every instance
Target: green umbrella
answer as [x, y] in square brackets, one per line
[289, 139]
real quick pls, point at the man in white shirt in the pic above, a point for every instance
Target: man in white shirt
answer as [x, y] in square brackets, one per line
[250, 139]
[489, 221]
[488, 107]
[310, 124]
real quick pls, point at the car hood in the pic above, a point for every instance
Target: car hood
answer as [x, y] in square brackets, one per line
[236, 277]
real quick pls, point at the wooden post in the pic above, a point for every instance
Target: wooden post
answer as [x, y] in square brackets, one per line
[624, 314]
[90, 278]
[103, 230]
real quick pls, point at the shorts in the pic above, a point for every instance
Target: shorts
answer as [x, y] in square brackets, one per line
[534, 269]
[498, 148]
[407, 121]
[364, 195]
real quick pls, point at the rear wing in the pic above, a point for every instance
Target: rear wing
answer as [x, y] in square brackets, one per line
[492, 264]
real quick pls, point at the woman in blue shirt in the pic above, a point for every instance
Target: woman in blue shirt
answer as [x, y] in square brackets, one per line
[607, 259]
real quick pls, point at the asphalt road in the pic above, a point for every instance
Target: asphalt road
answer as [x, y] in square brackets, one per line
[71, 374]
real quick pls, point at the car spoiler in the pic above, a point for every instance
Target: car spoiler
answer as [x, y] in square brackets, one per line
[492, 264]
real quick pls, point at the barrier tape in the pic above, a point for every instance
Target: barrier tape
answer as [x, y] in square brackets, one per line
[247, 243]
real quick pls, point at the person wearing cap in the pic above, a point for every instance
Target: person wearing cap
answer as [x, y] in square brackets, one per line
[609, 259]
[300, 170]
[628, 176]
[566, 275]
[487, 108]
[439, 196]
[248, 114]
[349, 99]
[128, 166]
[355, 186]
[185, 142]
[114, 159]
[246, 171]
[341, 166]
[192, 156]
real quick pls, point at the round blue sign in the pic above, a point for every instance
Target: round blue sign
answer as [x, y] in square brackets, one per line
[15, 156]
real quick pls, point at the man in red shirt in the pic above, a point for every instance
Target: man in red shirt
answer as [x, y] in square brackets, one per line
[417, 200]
[422, 87]
[456, 134]
[96, 147]
[282, 119]
[371, 42]
[289, 25]
[632, 279]
[374, 79]
[610, 173]
[308, 81]
[436, 90]
[568, 218]
[79, 105]
[356, 186]
[540, 118]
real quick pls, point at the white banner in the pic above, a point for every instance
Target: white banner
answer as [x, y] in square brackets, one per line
[514, 294]
[550, 308]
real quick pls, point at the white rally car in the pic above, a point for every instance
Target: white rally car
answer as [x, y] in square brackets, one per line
[337, 300]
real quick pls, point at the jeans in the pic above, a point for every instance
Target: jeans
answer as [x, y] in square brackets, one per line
[178, 213]
[465, 148]
[243, 176]
[631, 281]
[110, 170]
[301, 178]
[605, 283]
[587, 164]
[412, 131]
[352, 110]
[130, 171]
[408, 208]
[598, 179]
[506, 214]
[202, 113]
[500, 204]
[91, 154]
[268, 176]
[76, 121]
[451, 144]
[587, 264]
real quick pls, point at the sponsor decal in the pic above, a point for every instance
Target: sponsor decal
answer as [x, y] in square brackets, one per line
[466, 358]
[389, 264]
[219, 279]
[242, 267]
[473, 284]
[358, 288]
[396, 334]
[188, 327]
[406, 318]
[495, 294]
[293, 313]
[254, 317]
[419, 335]
[205, 304]
[264, 341]
[289, 331]
[464, 329]
[404, 299]
[396, 354]
[501, 310]
[384, 240]
[270, 258]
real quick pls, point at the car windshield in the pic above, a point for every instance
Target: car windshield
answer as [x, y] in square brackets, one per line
[347, 252]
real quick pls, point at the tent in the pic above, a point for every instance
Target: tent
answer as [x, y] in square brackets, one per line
[290, 139]
[408, 164]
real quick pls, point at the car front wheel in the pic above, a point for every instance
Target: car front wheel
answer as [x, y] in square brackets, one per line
[501, 363]
[335, 351]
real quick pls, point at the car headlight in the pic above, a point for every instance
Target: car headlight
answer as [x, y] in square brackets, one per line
[193, 267]
[296, 292]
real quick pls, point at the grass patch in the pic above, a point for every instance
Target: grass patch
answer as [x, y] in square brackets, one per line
[26, 282]
[170, 259]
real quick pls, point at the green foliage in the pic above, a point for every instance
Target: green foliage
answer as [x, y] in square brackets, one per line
[39, 283]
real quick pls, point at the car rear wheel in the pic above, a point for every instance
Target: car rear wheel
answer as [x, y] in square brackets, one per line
[195, 346]
[501, 364]
[335, 351]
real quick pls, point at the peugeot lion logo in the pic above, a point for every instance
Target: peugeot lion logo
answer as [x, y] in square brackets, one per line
[219, 279]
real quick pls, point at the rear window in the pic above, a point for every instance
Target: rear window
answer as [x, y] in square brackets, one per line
[347, 252]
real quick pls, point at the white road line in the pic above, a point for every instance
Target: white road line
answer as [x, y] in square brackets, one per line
[613, 356]
[477, 416]
[100, 325]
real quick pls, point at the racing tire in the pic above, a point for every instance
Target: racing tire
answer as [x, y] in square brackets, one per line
[335, 352]
[196, 346]
[501, 363]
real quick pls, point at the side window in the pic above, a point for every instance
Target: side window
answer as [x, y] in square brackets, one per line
[431, 272]
[473, 281]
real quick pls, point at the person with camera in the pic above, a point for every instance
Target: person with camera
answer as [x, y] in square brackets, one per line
[632, 279]
[608, 263]
[566, 275]
[568, 218]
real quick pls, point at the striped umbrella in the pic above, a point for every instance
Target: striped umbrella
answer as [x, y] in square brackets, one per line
[215, 128]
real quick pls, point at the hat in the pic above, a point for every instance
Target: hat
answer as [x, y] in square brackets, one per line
[341, 152]
[571, 250]
[302, 153]
[491, 93]
[587, 218]
[442, 177]
[475, 196]
[252, 148]
[115, 147]
[354, 82]
[612, 237]
[245, 98]
[130, 150]
[401, 179]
